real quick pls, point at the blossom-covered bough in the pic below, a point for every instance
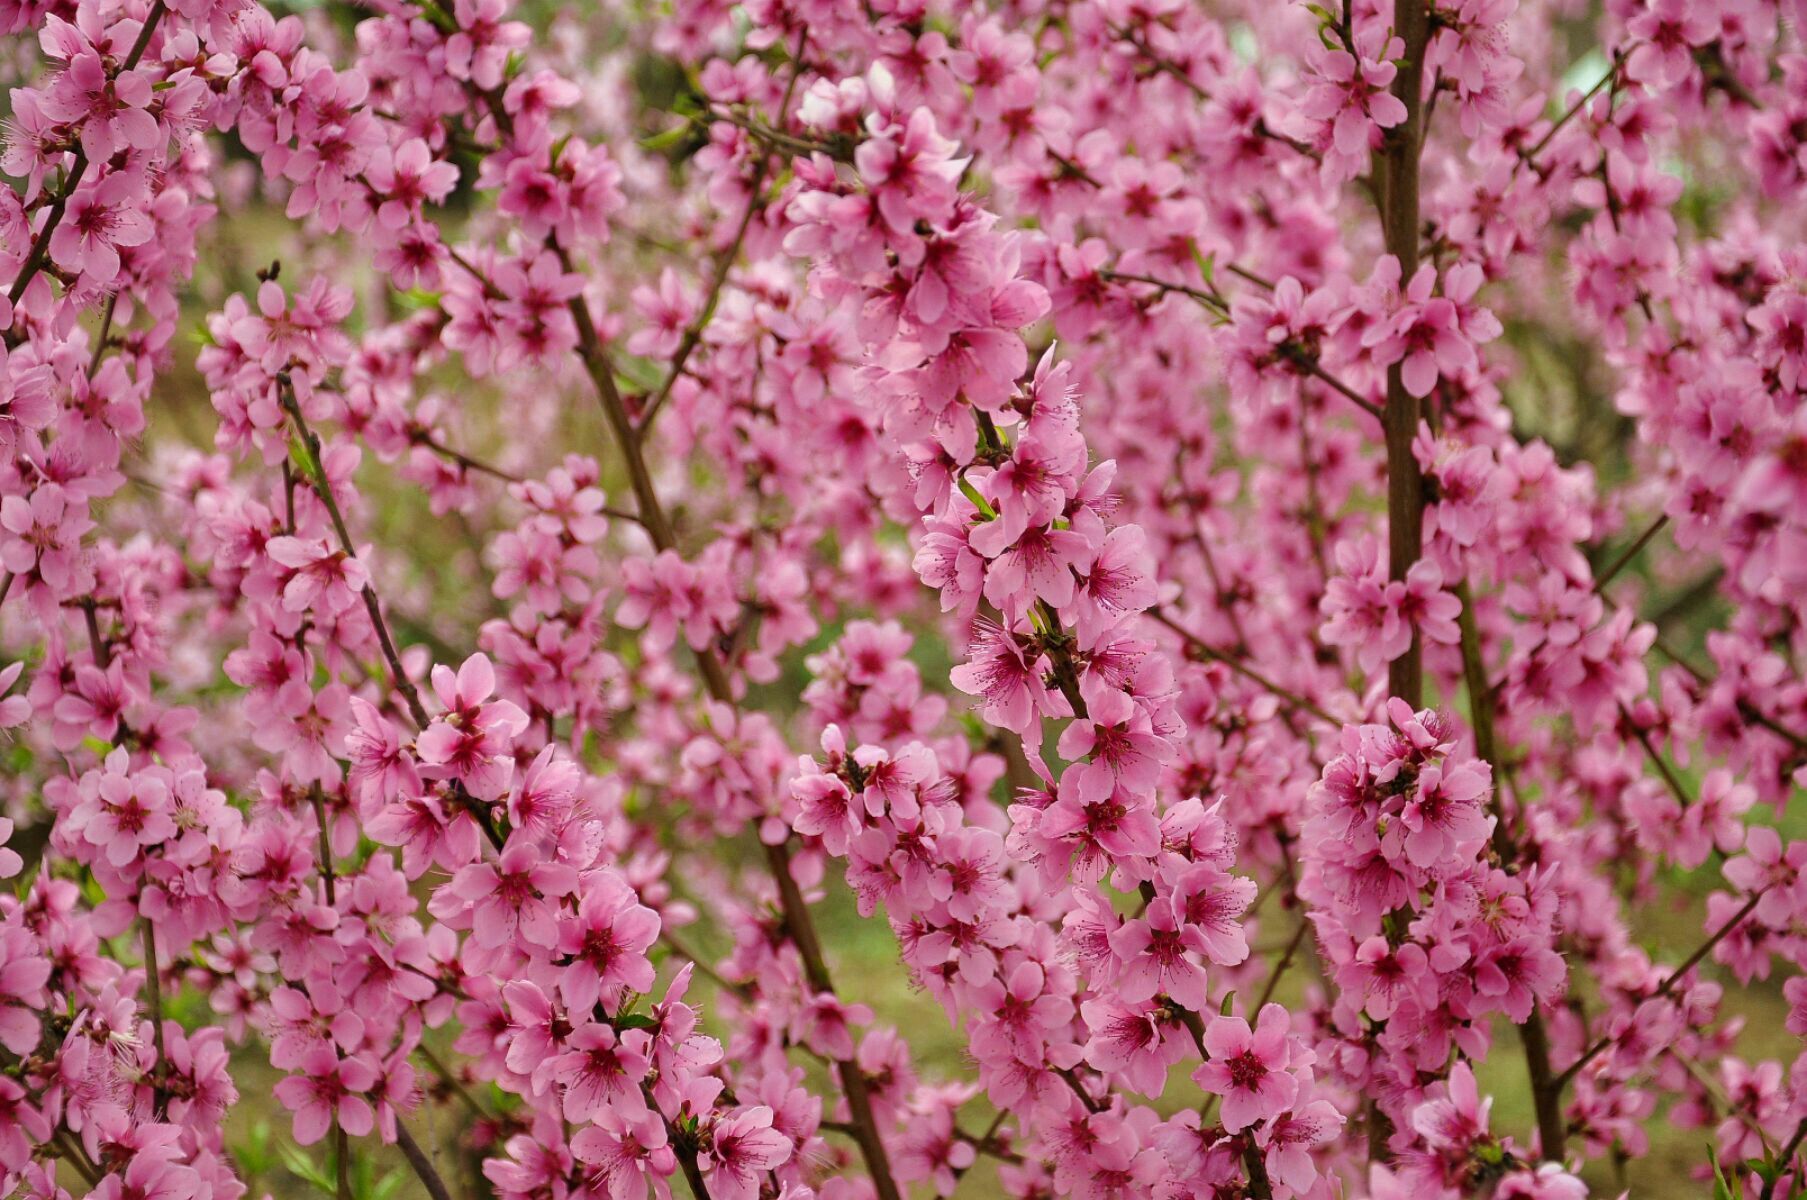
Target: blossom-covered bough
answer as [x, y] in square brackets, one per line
[1250, 544]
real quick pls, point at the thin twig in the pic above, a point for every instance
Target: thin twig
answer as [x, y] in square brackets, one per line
[1286, 960]
[422, 1164]
[1789, 1150]
[316, 467]
[1528, 157]
[40, 246]
[1669, 984]
[153, 990]
[106, 331]
[1286, 695]
[724, 261]
[854, 1085]
[1631, 552]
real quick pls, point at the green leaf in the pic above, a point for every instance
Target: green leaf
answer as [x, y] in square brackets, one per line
[979, 502]
[1722, 1187]
[1207, 265]
[254, 1154]
[301, 1164]
[636, 1021]
[389, 1185]
[660, 142]
[638, 374]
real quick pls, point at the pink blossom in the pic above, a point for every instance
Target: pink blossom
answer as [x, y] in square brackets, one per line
[1248, 1068]
[328, 1091]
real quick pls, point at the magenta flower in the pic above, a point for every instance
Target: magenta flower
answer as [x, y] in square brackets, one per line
[472, 740]
[98, 222]
[1118, 745]
[1004, 675]
[329, 1089]
[122, 813]
[607, 942]
[1248, 1068]
[41, 534]
[380, 767]
[1140, 1042]
[826, 809]
[1154, 958]
[518, 894]
[109, 108]
[740, 1150]
[1457, 1119]
[330, 579]
[602, 1070]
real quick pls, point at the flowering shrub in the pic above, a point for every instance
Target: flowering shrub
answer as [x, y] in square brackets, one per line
[1080, 484]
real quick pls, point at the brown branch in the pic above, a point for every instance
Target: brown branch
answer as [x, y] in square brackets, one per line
[316, 468]
[153, 990]
[693, 1175]
[1546, 1096]
[1399, 221]
[40, 246]
[1286, 961]
[1668, 985]
[1206, 650]
[1299, 357]
[724, 260]
[422, 1164]
[1631, 552]
[1783, 1159]
[797, 920]
[459, 458]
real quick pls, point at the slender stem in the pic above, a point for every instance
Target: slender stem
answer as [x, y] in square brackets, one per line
[1546, 1097]
[72, 1152]
[1256, 1165]
[693, 1174]
[153, 995]
[316, 467]
[724, 259]
[1301, 359]
[341, 1144]
[1209, 299]
[464, 460]
[40, 246]
[1546, 1093]
[1631, 552]
[1574, 110]
[1669, 983]
[1309, 365]
[1670, 778]
[683, 950]
[1085, 1097]
[1291, 698]
[342, 1159]
[797, 920]
[1783, 1160]
[422, 1164]
[1399, 220]
[452, 1081]
[1243, 273]
[1286, 961]
[326, 848]
[106, 331]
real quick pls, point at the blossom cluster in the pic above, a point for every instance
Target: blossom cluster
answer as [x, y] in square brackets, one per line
[1243, 548]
